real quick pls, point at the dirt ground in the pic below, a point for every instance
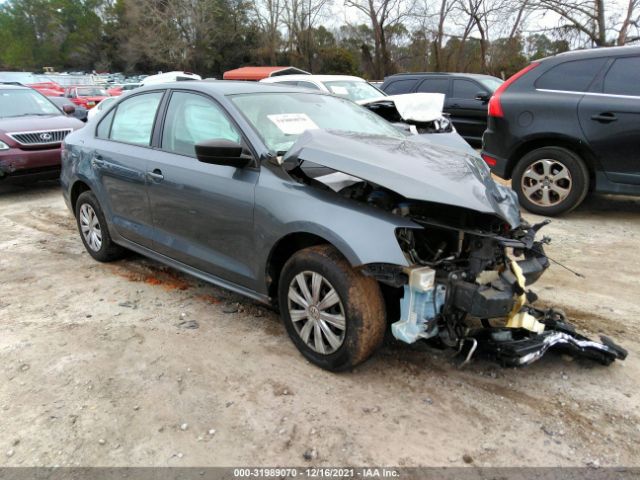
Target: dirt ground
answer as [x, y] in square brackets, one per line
[99, 368]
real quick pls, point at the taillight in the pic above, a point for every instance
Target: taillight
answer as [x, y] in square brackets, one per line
[495, 106]
[489, 160]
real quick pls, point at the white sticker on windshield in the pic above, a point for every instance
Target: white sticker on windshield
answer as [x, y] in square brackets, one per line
[292, 123]
[338, 90]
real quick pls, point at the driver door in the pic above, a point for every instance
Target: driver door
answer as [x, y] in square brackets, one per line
[202, 213]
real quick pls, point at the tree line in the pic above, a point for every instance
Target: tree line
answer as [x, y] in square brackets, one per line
[371, 38]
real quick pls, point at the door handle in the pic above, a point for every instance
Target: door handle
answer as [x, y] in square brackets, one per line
[156, 175]
[97, 161]
[455, 105]
[605, 117]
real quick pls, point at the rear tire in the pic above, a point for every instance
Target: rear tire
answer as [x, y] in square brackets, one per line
[550, 181]
[93, 229]
[336, 298]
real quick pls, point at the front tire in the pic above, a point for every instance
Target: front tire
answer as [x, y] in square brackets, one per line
[334, 315]
[550, 181]
[94, 233]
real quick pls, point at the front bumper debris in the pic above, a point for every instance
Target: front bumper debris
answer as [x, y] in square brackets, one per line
[513, 347]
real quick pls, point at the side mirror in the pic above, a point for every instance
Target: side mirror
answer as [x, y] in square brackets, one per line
[221, 152]
[483, 96]
[68, 109]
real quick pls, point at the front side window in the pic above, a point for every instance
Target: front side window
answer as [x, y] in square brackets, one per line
[193, 118]
[623, 78]
[574, 76]
[134, 117]
[280, 118]
[24, 102]
[465, 89]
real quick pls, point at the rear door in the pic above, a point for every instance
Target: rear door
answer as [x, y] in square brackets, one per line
[202, 213]
[119, 160]
[610, 120]
[469, 114]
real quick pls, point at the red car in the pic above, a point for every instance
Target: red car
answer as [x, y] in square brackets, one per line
[86, 96]
[32, 129]
[49, 89]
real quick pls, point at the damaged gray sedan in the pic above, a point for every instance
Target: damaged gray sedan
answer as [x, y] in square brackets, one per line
[347, 224]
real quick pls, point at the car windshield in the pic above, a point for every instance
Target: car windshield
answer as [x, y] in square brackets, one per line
[353, 90]
[280, 118]
[92, 92]
[491, 83]
[20, 103]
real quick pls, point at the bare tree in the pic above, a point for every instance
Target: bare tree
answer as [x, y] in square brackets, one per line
[383, 16]
[301, 17]
[591, 19]
[268, 16]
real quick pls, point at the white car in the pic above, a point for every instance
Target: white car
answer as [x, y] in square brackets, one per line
[101, 107]
[170, 77]
[354, 88]
[419, 113]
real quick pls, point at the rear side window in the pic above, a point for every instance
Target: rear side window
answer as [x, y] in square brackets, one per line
[466, 89]
[575, 76]
[434, 85]
[105, 125]
[308, 85]
[134, 117]
[623, 78]
[400, 86]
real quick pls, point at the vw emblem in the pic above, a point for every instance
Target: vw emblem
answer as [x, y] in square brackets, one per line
[45, 136]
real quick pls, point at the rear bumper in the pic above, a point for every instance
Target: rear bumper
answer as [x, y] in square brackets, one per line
[14, 162]
[498, 165]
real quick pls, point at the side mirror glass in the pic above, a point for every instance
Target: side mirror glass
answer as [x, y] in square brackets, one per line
[221, 152]
[483, 96]
[68, 109]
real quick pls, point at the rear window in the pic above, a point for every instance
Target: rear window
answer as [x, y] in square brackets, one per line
[623, 77]
[575, 76]
[434, 85]
[466, 89]
[400, 86]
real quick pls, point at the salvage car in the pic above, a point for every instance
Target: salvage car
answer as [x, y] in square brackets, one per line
[467, 95]
[31, 132]
[566, 126]
[315, 205]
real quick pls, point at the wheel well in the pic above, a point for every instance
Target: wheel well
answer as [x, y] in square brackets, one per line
[76, 190]
[286, 247]
[575, 147]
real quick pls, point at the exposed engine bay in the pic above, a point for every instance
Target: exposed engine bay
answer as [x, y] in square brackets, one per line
[468, 284]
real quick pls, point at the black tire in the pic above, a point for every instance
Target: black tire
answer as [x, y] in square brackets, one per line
[107, 251]
[360, 300]
[578, 184]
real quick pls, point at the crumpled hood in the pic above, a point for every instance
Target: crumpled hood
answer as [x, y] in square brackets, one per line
[416, 169]
[417, 107]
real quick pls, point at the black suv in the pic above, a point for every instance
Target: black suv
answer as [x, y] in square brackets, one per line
[466, 96]
[568, 125]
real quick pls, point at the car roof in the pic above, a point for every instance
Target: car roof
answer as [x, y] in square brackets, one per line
[318, 78]
[440, 74]
[5, 86]
[227, 87]
[595, 52]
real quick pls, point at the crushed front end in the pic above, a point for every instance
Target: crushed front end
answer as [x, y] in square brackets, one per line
[468, 288]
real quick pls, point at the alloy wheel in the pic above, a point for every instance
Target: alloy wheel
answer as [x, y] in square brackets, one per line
[546, 182]
[316, 312]
[90, 227]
